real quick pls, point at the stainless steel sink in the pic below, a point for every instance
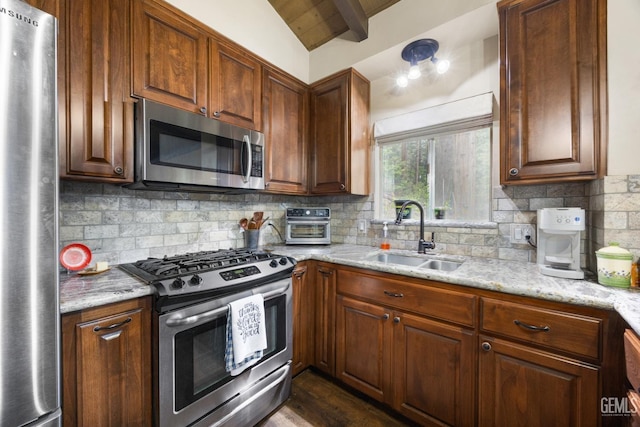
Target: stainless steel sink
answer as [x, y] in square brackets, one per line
[396, 259]
[442, 265]
[412, 261]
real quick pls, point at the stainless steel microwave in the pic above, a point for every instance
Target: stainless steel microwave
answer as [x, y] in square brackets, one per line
[183, 151]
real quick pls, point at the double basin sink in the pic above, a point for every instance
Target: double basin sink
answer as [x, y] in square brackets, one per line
[412, 261]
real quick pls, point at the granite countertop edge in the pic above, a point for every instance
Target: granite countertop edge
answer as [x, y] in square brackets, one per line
[513, 277]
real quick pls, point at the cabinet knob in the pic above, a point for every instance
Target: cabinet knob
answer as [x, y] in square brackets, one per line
[119, 170]
[203, 110]
[343, 187]
[513, 171]
[396, 320]
[385, 316]
[216, 114]
[486, 346]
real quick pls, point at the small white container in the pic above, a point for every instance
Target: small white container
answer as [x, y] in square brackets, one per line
[614, 266]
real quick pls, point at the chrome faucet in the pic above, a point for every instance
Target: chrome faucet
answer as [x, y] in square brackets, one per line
[422, 244]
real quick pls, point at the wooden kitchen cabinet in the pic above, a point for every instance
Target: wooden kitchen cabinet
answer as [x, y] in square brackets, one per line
[417, 363]
[339, 134]
[553, 109]
[285, 103]
[95, 107]
[325, 301]
[106, 365]
[542, 364]
[364, 346]
[169, 54]
[179, 62]
[303, 319]
[236, 86]
[517, 383]
[442, 354]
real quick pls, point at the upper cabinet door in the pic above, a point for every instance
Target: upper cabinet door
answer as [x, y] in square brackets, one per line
[236, 86]
[169, 58]
[98, 115]
[340, 134]
[553, 82]
[285, 104]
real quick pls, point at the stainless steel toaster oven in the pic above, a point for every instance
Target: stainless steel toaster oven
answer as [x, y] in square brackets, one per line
[308, 226]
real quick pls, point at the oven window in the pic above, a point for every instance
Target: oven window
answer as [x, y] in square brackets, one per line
[308, 231]
[177, 146]
[199, 353]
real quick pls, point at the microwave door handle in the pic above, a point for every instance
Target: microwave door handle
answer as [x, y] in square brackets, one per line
[212, 314]
[247, 142]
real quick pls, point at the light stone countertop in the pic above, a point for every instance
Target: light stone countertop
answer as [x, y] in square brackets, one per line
[79, 292]
[512, 277]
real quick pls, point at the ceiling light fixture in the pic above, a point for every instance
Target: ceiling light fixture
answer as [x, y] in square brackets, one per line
[417, 51]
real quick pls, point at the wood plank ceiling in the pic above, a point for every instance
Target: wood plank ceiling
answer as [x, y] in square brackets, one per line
[315, 22]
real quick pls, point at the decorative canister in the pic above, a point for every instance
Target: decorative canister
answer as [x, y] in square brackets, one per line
[614, 266]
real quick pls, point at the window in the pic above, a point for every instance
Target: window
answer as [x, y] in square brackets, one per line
[443, 164]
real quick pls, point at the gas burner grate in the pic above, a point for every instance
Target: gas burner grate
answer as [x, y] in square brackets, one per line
[193, 262]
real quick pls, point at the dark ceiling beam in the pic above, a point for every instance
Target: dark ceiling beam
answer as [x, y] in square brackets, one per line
[354, 16]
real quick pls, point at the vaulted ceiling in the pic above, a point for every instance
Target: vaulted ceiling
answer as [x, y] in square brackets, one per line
[315, 22]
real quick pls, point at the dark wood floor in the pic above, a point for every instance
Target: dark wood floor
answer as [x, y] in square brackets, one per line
[316, 401]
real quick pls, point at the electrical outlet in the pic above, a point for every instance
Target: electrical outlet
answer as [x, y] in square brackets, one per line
[519, 233]
[362, 226]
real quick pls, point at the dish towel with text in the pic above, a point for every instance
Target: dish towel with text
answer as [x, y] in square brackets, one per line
[246, 334]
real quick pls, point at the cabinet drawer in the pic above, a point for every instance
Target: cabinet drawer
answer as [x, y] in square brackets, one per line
[564, 331]
[632, 357]
[442, 304]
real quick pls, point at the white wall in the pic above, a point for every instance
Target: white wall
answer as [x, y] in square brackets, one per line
[393, 28]
[624, 87]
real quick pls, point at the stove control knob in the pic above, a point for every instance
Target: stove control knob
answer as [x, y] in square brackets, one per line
[195, 280]
[178, 283]
[283, 261]
[273, 263]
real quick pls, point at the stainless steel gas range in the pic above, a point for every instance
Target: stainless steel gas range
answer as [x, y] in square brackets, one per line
[191, 384]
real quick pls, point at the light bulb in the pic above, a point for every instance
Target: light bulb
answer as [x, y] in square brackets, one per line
[414, 72]
[442, 66]
[402, 81]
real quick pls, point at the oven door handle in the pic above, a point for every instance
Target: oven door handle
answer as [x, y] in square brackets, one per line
[212, 314]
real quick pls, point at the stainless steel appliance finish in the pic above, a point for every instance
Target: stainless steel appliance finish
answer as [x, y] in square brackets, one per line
[29, 309]
[308, 226]
[191, 304]
[183, 151]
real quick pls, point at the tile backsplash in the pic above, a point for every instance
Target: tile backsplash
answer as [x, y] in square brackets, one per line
[122, 225]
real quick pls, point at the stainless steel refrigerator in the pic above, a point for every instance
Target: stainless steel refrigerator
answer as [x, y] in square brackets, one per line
[29, 305]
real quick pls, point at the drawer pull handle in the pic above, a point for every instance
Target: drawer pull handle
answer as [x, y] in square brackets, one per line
[532, 327]
[112, 326]
[393, 294]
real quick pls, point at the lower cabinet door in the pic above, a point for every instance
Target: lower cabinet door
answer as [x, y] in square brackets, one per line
[106, 365]
[434, 372]
[522, 386]
[363, 347]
